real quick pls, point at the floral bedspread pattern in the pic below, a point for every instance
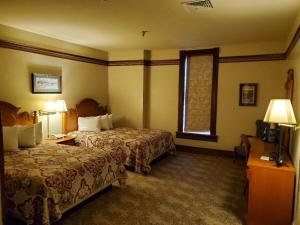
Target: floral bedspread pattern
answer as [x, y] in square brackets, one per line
[43, 182]
[142, 145]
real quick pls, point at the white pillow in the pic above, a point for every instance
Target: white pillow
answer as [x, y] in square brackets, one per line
[10, 138]
[38, 133]
[26, 136]
[110, 121]
[89, 124]
[104, 122]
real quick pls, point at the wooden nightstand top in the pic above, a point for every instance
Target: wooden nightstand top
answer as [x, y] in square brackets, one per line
[68, 140]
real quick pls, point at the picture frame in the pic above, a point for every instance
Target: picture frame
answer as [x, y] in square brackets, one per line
[248, 94]
[46, 84]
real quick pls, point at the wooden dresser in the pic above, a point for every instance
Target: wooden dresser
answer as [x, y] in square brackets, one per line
[271, 188]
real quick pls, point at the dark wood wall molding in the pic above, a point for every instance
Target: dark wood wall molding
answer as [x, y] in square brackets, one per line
[48, 52]
[293, 43]
[163, 62]
[209, 151]
[252, 58]
[127, 63]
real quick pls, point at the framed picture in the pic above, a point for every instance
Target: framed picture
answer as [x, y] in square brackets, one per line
[46, 84]
[248, 94]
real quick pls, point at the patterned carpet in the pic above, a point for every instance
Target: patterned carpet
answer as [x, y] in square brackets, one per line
[183, 189]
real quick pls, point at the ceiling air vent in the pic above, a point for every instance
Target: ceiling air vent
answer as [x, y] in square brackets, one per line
[198, 4]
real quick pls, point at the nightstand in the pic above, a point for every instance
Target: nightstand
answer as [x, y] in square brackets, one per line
[68, 140]
[271, 188]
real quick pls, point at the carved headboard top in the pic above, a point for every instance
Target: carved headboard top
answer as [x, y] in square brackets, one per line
[90, 107]
[11, 117]
[87, 107]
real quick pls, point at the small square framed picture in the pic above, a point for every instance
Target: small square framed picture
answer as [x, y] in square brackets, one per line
[46, 84]
[248, 94]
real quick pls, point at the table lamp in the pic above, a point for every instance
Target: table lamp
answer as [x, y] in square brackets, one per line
[52, 107]
[280, 111]
[48, 109]
[60, 106]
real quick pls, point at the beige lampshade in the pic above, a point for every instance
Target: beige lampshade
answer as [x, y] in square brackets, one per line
[60, 106]
[280, 111]
[50, 107]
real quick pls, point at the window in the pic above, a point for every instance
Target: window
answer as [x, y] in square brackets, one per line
[198, 85]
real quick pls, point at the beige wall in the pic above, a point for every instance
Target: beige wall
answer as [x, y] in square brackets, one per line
[125, 87]
[232, 119]
[227, 50]
[163, 97]
[79, 80]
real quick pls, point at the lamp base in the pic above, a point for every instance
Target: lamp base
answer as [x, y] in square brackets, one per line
[279, 162]
[278, 159]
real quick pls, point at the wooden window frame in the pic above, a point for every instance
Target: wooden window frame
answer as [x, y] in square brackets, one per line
[214, 92]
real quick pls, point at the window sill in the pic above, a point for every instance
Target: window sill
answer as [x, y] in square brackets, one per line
[203, 137]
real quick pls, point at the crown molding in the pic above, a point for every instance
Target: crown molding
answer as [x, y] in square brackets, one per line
[48, 52]
[163, 62]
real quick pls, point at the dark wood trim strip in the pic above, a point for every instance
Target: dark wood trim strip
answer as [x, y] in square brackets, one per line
[293, 43]
[252, 58]
[127, 63]
[214, 94]
[164, 62]
[48, 52]
[208, 151]
[181, 93]
[225, 59]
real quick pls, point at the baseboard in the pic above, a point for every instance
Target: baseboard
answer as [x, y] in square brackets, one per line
[209, 151]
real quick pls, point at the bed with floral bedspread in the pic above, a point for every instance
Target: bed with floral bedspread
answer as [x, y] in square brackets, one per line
[142, 145]
[43, 182]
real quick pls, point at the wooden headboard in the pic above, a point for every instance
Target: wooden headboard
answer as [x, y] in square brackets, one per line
[87, 107]
[11, 117]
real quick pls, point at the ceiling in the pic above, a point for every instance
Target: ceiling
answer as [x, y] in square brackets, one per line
[117, 24]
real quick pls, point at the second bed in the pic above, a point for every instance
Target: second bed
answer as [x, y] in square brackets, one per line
[141, 145]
